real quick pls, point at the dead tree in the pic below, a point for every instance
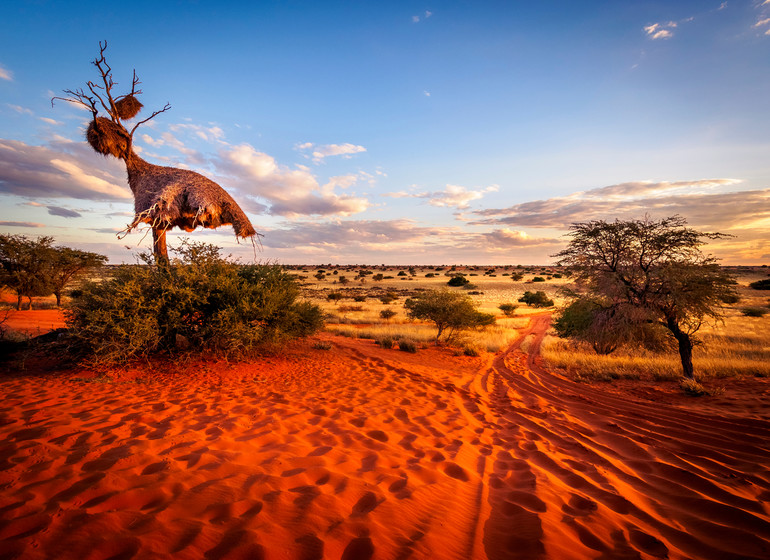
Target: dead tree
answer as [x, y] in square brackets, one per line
[164, 197]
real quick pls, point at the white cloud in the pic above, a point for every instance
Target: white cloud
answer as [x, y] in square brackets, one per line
[426, 93]
[660, 30]
[5, 74]
[60, 170]
[453, 195]
[762, 22]
[320, 152]
[49, 121]
[289, 192]
[19, 109]
[415, 19]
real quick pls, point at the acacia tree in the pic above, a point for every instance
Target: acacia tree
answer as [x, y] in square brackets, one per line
[449, 311]
[67, 263]
[25, 266]
[654, 267]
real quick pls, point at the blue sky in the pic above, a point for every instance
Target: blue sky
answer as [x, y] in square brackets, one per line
[400, 132]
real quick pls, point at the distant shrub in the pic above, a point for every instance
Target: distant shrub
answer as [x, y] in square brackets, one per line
[536, 299]
[508, 309]
[401, 273]
[517, 276]
[450, 311]
[407, 346]
[322, 345]
[388, 297]
[334, 296]
[378, 277]
[348, 308]
[754, 311]
[538, 279]
[199, 301]
[731, 298]
[430, 275]
[385, 342]
[387, 314]
[761, 284]
[359, 299]
[456, 281]
[557, 275]
[471, 350]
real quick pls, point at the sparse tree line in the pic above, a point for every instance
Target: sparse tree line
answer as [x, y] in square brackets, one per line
[35, 267]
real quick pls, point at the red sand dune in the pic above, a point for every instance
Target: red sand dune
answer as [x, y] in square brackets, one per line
[361, 452]
[34, 322]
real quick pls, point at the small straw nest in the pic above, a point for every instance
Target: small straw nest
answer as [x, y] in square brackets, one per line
[108, 138]
[128, 107]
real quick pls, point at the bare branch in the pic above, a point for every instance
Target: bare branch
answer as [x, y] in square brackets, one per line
[134, 82]
[154, 114]
[78, 97]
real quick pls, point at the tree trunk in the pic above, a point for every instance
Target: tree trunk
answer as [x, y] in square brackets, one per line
[57, 293]
[159, 249]
[685, 347]
[30, 302]
[18, 302]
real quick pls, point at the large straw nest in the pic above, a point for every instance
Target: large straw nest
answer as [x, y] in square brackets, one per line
[108, 138]
[168, 197]
[128, 107]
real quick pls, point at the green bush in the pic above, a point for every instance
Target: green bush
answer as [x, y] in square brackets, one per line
[536, 299]
[387, 314]
[456, 281]
[199, 301]
[508, 309]
[450, 311]
[538, 279]
[761, 284]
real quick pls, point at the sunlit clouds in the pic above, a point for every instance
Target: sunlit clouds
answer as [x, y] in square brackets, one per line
[5, 74]
[318, 153]
[661, 30]
[455, 196]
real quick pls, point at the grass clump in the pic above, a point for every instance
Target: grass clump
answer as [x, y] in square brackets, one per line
[406, 345]
[198, 302]
[322, 345]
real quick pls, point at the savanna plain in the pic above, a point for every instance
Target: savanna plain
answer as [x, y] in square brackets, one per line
[368, 440]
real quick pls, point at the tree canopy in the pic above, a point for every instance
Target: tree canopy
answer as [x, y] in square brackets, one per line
[450, 311]
[653, 267]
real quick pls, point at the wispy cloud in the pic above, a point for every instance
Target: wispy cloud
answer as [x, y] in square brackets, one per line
[425, 15]
[63, 212]
[6, 74]
[19, 109]
[22, 224]
[318, 154]
[695, 200]
[50, 121]
[661, 30]
[453, 195]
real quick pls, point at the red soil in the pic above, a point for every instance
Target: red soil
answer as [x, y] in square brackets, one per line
[361, 452]
[33, 322]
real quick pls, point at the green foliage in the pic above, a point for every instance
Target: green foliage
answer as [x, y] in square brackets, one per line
[387, 314]
[199, 300]
[508, 309]
[388, 298]
[456, 281]
[761, 284]
[538, 279]
[517, 276]
[451, 311]
[655, 266]
[536, 299]
[25, 266]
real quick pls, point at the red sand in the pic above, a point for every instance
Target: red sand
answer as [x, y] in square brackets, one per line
[361, 452]
[34, 322]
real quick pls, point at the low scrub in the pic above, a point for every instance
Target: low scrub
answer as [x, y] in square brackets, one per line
[199, 301]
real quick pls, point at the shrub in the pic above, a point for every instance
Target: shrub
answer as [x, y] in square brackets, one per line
[378, 277]
[456, 281]
[508, 309]
[536, 299]
[334, 296]
[359, 299]
[429, 275]
[385, 342]
[730, 298]
[693, 388]
[761, 284]
[387, 314]
[450, 311]
[388, 297]
[401, 273]
[754, 311]
[407, 346]
[200, 301]
[322, 345]
[538, 279]
[348, 308]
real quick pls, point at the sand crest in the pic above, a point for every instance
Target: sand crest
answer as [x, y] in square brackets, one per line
[360, 452]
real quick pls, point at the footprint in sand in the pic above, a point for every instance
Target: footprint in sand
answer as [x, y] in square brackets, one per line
[366, 504]
[456, 471]
[359, 549]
